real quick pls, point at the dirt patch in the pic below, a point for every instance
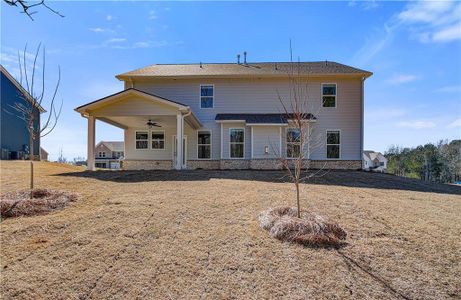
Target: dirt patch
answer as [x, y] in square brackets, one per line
[310, 229]
[20, 203]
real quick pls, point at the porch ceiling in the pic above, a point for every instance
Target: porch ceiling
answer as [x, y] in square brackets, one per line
[125, 122]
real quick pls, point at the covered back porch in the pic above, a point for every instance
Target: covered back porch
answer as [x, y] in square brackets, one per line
[155, 128]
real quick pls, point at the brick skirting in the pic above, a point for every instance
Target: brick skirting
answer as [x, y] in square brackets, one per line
[237, 164]
[146, 165]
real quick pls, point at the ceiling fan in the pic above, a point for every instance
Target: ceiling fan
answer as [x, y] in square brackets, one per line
[151, 124]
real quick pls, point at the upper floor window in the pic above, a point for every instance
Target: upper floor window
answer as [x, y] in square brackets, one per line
[142, 139]
[204, 145]
[333, 144]
[329, 94]
[206, 96]
[237, 142]
[102, 154]
[293, 142]
[158, 140]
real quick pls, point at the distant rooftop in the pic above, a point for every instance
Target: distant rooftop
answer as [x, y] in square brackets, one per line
[263, 69]
[113, 145]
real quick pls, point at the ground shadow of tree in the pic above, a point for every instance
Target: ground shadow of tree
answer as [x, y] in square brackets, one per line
[357, 179]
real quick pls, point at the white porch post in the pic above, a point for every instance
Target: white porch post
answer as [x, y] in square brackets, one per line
[179, 140]
[91, 143]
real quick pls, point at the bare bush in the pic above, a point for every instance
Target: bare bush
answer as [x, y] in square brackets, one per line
[42, 201]
[309, 229]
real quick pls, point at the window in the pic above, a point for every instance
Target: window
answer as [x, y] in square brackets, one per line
[204, 145]
[333, 144]
[158, 140]
[102, 154]
[206, 96]
[381, 164]
[142, 139]
[237, 140]
[329, 95]
[293, 143]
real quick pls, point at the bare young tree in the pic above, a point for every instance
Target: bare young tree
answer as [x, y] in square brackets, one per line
[301, 115]
[27, 6]
[30, 109]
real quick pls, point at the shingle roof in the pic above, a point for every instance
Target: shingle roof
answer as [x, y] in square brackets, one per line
[114, 146]
[259, 118]
[372, 155]
[269, 69]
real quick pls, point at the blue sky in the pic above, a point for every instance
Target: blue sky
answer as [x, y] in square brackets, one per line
[413, 49]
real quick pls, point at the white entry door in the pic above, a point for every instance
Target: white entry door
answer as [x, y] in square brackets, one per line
[184, 151]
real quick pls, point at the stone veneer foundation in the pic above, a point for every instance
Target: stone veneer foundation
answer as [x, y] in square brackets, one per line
[237, 164]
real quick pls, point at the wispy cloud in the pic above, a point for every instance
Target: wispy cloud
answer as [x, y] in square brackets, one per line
[366, 5]
[115, 40]
[109, 17]
[455, 124]
[152, 15]
[417, 124]
[402, 78]
[433, 21]
[101, 30]
[428, 21]
[450, 89]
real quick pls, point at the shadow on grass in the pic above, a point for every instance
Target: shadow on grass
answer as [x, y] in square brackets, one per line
[332, 178]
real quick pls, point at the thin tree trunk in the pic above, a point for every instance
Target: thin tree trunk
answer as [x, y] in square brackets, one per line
[297, 199]
[31, 157]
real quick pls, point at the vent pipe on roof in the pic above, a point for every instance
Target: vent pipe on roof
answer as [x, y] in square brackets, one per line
[200, 65]
[276, 66]
[326, 62]
[245, 57]
[238, 59]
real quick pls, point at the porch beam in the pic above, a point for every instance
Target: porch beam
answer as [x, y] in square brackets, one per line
[91, 143]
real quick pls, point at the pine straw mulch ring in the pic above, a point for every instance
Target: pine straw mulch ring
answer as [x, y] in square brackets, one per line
[43, 201]
[310, 229]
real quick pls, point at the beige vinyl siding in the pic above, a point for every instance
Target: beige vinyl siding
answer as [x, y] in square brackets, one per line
[266, 136]
[226, 139]
[137, 106]
[102, 148]
[260, 96]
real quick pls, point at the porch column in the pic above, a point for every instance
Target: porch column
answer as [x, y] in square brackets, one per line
[179, 139]
[91, 143]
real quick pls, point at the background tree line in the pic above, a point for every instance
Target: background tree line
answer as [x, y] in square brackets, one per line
[439, 162]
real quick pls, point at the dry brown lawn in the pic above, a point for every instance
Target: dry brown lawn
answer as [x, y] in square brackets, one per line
[195, 234]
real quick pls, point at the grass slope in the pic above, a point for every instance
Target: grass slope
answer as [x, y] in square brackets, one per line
[196, 234]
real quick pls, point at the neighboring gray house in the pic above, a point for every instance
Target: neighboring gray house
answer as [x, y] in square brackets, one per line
[228, 115]
[374, 161]
[14, 135]
[109, 154]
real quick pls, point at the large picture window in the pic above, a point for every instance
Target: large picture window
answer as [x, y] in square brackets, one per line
[158, 140]
[333, 144]
[329, 94]
[142, 139]
[206, 96]
[204, 145]
[293, 143]
[237, 143]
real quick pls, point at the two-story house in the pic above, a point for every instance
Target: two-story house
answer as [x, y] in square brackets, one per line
[108, 154]
[15, 138]
[228, 115]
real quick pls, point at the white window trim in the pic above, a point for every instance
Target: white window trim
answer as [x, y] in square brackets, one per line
[164, 140]
[211, 143]
[200, 96]
[244, 136]
[148, 140]
[321, 94]
[286, 143]
[326, 144]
